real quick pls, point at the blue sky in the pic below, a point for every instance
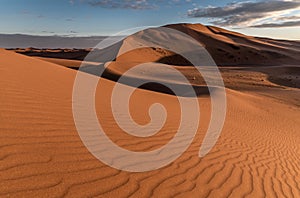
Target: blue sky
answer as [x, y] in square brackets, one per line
[278, 18]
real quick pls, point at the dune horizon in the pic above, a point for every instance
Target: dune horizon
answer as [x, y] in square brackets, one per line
[37, 42]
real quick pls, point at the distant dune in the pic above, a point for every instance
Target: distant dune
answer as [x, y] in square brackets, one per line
[26, 41]
[257, 154]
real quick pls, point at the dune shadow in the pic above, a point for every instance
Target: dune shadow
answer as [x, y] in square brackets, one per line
[183, 90]
[289, 78]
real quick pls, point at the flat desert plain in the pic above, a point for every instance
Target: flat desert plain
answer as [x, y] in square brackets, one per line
[256, 155]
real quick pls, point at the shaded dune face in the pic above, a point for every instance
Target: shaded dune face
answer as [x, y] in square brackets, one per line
[231, 48]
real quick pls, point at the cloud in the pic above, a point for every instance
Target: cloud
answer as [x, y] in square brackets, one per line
[45, 31]
[272, 25]
[288, 18]
[125, 4]
[245, 13]
[136, 4]
[29, 13]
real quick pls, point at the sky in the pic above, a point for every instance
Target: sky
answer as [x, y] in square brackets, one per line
[273, 18]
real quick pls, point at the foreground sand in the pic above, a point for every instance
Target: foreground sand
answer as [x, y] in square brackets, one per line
[41, 153]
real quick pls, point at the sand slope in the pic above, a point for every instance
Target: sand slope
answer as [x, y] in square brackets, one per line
[41, 153]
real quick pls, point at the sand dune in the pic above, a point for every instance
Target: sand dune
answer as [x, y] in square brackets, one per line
[250, 73]
[41, 153]
[226, 47]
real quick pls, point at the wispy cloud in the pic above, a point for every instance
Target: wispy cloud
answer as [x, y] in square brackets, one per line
[284, 24]
[48, 32]
[136, 4]
[289, 18]
[31, 14]
[126, 4]
[249, 13]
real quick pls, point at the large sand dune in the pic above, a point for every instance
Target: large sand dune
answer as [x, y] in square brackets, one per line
[41, 153]
[231, 51]
[226, 47]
